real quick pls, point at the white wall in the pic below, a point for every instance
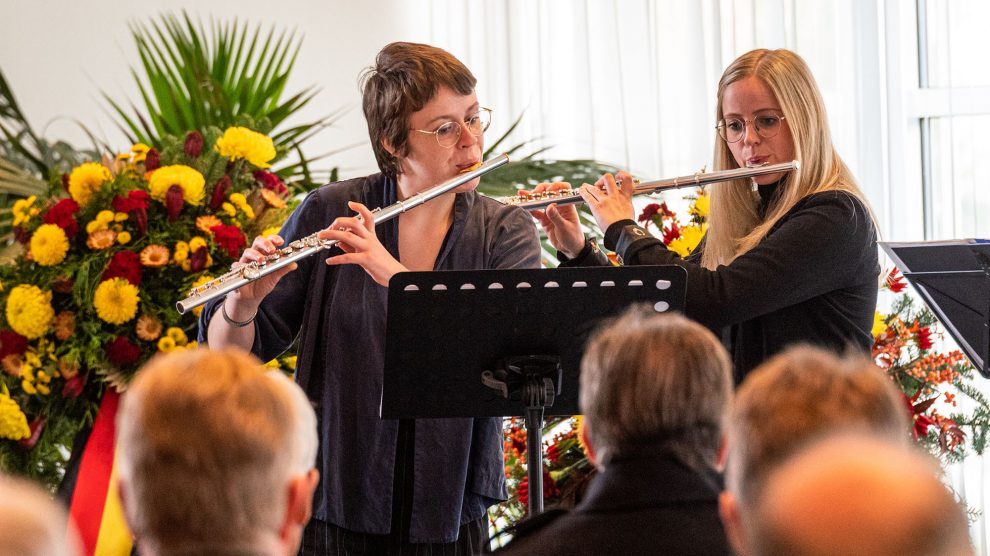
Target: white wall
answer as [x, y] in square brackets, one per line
[59, 55]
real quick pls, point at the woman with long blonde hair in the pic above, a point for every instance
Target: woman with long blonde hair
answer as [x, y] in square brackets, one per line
[787, 258]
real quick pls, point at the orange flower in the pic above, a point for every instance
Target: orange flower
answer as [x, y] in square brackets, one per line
[148, 328]
[101, 239]
[154, 256]
[206, 222]
[65, 325]
[272, 198]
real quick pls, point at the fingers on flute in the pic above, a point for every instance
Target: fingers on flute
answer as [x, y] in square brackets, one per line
[367, 219]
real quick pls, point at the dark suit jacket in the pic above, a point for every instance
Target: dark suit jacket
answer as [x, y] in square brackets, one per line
[643, 505]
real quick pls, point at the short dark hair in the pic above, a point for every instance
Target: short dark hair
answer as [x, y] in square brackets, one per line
[655, 380]
[404, 78]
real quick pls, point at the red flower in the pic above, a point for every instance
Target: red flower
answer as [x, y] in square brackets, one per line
[924, 338]
[122, 353]
[36, 427]
[220, 190]
[74, 386]
[21, 235]
[549, 488]
[895, 281]
[11, 343]
[126, 265]
[174, 202]
[229, 238]
[136, 205]
[671, 232]
[62, 214]
[197, 261]
[65, 181]
[269, 180]
[193, 144]
[152, 160]
[135, 200]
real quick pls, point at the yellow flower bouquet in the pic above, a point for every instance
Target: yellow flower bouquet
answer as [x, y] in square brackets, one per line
[104, 258]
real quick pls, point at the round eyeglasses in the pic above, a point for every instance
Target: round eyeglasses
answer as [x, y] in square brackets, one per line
[449, 133]
[767, 125]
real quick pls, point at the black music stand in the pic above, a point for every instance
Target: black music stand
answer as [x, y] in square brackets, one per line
[496, 343]
[953, 277]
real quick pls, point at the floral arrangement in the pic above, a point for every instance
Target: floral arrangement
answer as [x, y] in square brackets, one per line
[934, 383]
[945, 406]
[104, 259]
[680, 237]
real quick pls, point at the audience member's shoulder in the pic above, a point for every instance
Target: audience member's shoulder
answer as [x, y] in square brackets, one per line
[528, 529]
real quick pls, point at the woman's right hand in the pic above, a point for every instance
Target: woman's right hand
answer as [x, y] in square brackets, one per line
[249, 297]
[561, 223]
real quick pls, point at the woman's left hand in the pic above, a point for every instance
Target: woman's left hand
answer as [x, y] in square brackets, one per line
[609, 200]
[361, 245]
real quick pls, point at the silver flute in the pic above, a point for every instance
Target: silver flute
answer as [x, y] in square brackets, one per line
[570, 196]
[312, 244]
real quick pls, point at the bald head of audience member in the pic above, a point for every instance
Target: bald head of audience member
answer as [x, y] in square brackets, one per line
[216, 456]
[797, 396]
[858, 496]
[652, 381]
[32, 524]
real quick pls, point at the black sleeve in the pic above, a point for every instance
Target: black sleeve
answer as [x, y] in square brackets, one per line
[823, 244]
[590, 255]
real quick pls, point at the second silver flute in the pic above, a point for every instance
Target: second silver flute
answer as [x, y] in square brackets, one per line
[570, 196]
[312, 244]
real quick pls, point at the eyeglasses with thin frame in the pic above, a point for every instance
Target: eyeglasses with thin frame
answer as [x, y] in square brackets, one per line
[767, 125]
[449, 134]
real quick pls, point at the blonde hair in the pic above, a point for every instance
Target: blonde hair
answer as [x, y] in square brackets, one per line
[208, 443]
[652, 381]
[797, 396]
[734, 225]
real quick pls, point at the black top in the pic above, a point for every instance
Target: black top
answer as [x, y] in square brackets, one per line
[638, 505]
[813, 279]
[338, 314]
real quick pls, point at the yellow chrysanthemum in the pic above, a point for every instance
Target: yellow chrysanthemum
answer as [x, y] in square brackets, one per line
[123, 237]
[191, 182]
[273, 364]
[241, 142]
[270, 231]
[116, 300]
[49, 244]
[579, 431]
[13, 422]
[29, 311]
[87, 179]
[178, 335]
[689, 240]
[196, 243]
[229, 209]
[166, 344]
[140, 151]
[240, 201]
[23, 210]
[700, 206]
[879, 324]
[290, 361]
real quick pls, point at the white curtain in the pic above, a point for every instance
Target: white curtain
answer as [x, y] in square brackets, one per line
[633, 82]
